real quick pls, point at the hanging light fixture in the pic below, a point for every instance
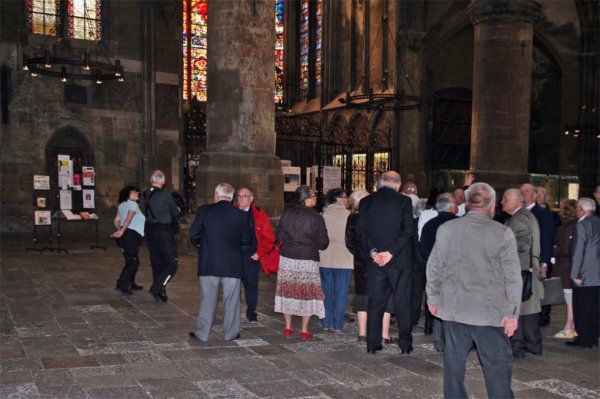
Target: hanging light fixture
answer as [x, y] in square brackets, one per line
[55, 61]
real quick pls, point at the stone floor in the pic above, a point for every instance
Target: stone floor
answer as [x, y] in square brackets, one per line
[66, 333]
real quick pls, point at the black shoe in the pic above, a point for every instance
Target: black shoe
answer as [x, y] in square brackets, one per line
[390, 340]
[135, 287]
[407, 351]
[374, 350]
[362, 338]
[234, 338]
[161, 296]
[579, 344]
[193, 335]
[125, 291]
[519, 355]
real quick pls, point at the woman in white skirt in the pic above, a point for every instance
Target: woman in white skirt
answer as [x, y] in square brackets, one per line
[301, 234]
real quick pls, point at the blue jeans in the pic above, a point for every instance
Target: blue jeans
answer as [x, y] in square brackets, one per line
[335, 283]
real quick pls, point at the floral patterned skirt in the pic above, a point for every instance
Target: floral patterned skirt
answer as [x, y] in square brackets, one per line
[299, 291]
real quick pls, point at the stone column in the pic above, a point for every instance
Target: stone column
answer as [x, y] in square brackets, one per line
[502, 63]
[240, 106]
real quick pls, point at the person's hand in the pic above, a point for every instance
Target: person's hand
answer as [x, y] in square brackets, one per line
[544, 270]
[384, 258]
[254, 257]
[510, 326]
[578, 281]
[469, 179]
[432, 308]
[117, 234]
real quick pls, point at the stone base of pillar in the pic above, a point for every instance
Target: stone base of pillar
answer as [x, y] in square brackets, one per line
[260, 172]
[502, 180]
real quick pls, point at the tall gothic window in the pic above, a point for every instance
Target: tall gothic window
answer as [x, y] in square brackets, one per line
[43, 16]
[309, 79]
[195, 43]
[82, 18]
[279, 36]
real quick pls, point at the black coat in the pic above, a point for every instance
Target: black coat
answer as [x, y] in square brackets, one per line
[353, 245]
[430, 230]
[223, 234]
[547, 232]
[385, 223]
[302, 234]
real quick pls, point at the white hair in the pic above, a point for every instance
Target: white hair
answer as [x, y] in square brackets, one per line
[225, 190]
[157, 177]
[587, 204]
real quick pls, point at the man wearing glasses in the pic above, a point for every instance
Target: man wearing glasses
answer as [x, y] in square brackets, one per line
[265, 256]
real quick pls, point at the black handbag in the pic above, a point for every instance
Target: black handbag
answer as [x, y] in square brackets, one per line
[527, 285]
[553, 292]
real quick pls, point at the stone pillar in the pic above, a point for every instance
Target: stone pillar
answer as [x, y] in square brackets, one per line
[502, 63]
[240, 106]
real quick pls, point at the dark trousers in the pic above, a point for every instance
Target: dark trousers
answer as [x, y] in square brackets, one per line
[130, 245]
[494, 353]
[250, 281]
[586, 312]
[395, 280]
[418, 286]
[160, 240]
[528, 337]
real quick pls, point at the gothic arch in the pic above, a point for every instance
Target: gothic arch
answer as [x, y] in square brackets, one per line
[70, 141]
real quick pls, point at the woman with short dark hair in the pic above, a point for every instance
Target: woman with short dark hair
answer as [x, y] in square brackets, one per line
[129, 223]
[301, 234]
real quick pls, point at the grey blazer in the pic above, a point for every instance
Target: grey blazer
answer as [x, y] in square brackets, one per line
[473, 272]
[585, 251]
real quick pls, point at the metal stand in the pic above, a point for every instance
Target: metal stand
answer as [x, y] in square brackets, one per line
[97, 246]
[58, 215]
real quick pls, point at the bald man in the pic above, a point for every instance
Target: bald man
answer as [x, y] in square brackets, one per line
[385, 228]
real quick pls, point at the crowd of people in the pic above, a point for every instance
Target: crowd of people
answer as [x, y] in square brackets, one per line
[481, 264]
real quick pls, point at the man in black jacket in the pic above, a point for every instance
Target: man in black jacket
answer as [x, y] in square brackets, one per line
[223, 234]
[447, 208]
[385, 228]
[160, 210]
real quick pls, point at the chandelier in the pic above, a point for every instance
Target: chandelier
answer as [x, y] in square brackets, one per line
[93, 66]
[586, 124]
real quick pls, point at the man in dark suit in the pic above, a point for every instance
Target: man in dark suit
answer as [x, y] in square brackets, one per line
[223, 233]
[447, 208]
[547, 232]
[385, 228]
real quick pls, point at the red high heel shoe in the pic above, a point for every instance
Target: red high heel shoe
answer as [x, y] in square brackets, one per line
[287, 332]
[305, 336]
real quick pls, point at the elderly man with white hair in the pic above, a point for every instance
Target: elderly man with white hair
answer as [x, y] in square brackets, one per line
[474, 285]
[585, 274]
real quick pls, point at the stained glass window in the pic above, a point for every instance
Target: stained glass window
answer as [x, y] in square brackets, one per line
[195, 41]
[84, 17]
[318, 45]
[43, 16]
[304, 46]
[310, 46]
[279, 36]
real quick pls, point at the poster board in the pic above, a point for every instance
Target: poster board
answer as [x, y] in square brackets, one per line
[291, 178]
